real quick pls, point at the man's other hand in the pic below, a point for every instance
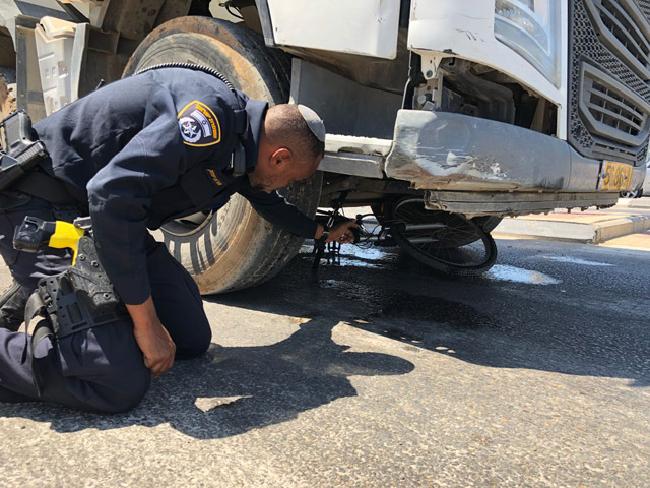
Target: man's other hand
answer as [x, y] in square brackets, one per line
[152, 338]
[342, 233]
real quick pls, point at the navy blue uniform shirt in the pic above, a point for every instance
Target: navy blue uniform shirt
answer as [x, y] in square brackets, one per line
[155, 147]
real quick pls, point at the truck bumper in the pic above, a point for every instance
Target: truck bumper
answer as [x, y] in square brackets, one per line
[446, 151]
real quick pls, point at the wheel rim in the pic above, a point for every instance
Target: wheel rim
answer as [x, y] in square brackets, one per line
[190, 225]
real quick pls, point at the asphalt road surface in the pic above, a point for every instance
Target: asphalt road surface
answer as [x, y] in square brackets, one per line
[379, 373]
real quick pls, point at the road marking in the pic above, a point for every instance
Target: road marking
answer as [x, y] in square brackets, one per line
[571, 259]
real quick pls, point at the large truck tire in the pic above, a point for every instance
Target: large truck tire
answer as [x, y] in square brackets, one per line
[234, 248]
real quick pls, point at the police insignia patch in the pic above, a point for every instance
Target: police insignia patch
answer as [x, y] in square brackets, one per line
[198, 124]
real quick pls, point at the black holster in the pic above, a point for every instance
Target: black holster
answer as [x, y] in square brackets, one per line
[82, 296]
[21, 167]
[22, 151]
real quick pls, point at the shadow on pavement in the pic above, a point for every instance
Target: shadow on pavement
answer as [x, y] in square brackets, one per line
[505, 325]
[232, 390]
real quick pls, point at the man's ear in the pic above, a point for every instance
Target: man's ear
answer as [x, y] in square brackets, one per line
[281, 157]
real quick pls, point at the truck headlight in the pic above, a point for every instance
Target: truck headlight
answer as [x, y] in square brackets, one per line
[531, 27]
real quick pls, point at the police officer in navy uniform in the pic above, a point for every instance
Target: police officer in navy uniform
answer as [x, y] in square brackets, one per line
[134, 155]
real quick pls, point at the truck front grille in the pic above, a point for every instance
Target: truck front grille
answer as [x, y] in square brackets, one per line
[609, 97]
[610, 110]
[624, 29]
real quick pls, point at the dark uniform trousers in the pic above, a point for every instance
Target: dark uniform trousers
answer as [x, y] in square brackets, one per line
[101, 368]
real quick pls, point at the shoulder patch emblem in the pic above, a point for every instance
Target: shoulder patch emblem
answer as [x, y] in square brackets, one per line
[198, 125]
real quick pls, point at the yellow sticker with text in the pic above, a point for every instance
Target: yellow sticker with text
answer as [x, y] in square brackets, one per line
[616, 176]
[198, 124]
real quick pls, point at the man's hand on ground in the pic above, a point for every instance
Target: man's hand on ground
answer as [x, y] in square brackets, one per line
[342, 233]
[157, 347]
[152, 338]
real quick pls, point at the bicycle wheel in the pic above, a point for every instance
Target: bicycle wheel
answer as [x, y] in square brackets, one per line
[448, 243]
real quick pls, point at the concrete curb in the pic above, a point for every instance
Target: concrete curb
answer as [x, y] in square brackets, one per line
[594, 233]
[643, 202]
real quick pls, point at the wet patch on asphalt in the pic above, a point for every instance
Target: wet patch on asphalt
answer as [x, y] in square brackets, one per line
[378, 258]
[354, 255]
[394, 304]
[580, 327]
[514, 274]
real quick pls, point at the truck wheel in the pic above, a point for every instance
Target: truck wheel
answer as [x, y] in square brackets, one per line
[234, 248]
[7, 92]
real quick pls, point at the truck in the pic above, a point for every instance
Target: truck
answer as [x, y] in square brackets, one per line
[443, 116]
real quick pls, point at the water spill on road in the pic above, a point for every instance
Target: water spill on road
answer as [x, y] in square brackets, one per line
[574, 260]
[366, 257]
[362, 252]
[513, 274]
[396, 304]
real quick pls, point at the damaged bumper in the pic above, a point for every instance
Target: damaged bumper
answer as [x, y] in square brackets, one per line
[453, 152]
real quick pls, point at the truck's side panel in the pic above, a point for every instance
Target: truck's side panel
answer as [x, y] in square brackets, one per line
[336, 25]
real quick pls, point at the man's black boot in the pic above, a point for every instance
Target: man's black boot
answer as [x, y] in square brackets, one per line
[12, 306]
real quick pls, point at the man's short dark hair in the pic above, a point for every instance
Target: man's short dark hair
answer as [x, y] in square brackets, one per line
[285, 124]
